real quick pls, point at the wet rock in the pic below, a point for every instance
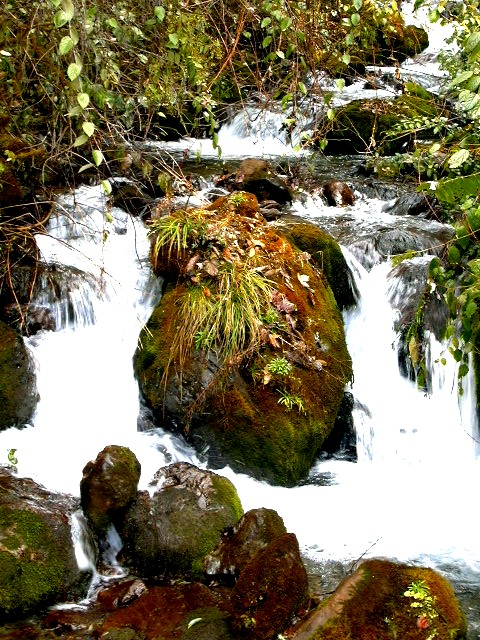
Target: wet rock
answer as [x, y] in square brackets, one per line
[259, 178]
[255, 530]
[342, 441]
[338, 194]
[108, 487]
[377, 601]
[271, 590]
[325, 253]
[170, 532]
[38, 566]
[163, 613]
[29, 319]
[412, 204]
[222, 397]
[121, 594]
[130, 197]
[18, 393]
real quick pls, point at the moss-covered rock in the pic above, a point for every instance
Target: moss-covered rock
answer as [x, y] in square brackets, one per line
[364, 124]
[170, 532]
[385, 600]
[266, 406]
[18, 394]
[37, 559]
[325, 253]
[108, 487]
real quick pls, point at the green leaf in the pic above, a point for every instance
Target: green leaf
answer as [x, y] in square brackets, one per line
[80, 140]
[88, 128]
[60, 19]
[69, 8]
[107, 187]
[266, 41]
[470, 309]
[74, 70]
[472, 45]
[340, 82]
[285, 23]
[355, 19]
[462, 370]
[173, 41]
[454, 256]
[98, 157]
[159, 13]
[346, 58]
[302, 88]
[84, 167]
[473, 218]
[330, 114]
[65, 46]
[74, 35]
[458, 158]
[280, 54]
[265, 22]
[112, 23]
[457, 189]
[461, 78]
[468, 99]
[349, 39]
[474, 266]
[357, 4]
[83, 100]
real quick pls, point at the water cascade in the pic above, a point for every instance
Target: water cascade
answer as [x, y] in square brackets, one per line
[407, 497]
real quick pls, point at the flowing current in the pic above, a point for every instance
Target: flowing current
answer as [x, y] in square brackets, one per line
[408, 497]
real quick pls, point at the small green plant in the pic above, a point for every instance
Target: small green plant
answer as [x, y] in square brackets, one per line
[424, 604]
[290, 400]
[279, 367]
[12, 458]
[237, 198]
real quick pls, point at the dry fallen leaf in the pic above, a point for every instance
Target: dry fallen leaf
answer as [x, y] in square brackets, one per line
[303, 279]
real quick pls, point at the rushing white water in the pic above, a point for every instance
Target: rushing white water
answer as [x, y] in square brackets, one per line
[409, 495]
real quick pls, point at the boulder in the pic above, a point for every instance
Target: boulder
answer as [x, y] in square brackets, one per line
[38, 566]
[18, 394]
[245, 354]
[271, 590]
[108, 487]
[338, 194]
[254, 531]
[385, 600]
[169, 531]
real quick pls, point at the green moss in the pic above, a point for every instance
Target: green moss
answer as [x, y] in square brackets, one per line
[374, 604]
[327, 256]
[31, 570]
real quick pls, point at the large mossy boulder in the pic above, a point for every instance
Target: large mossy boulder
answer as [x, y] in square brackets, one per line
[245, 353]
[386, 601]
[367, 124]
[168, 531]
[108, 487]
[18, 393]
[38, 566]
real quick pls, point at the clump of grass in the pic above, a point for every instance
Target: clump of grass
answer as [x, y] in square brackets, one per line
[290, 400]
[222, 315]
[177, 232]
